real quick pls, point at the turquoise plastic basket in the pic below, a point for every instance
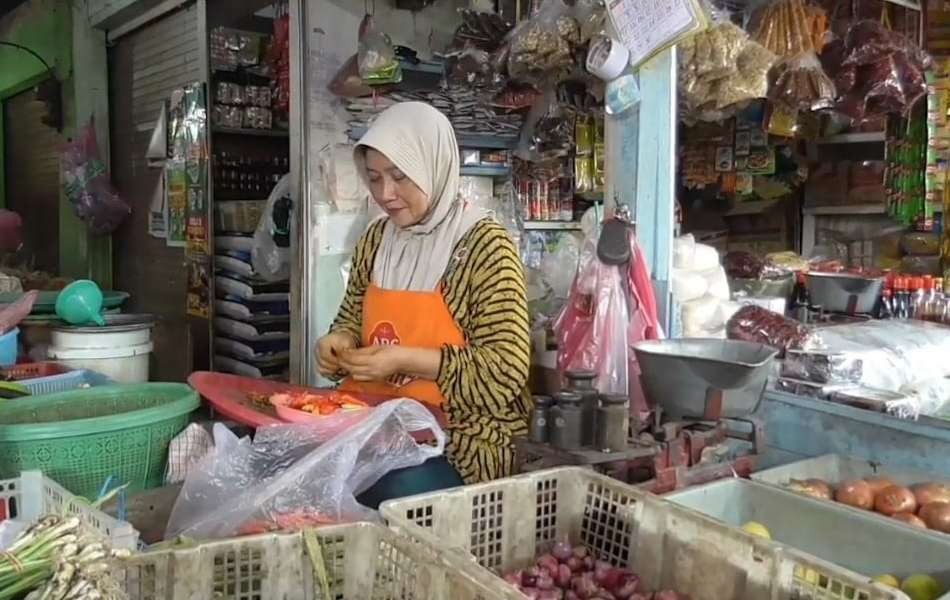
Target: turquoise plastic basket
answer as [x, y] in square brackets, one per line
[82, 437]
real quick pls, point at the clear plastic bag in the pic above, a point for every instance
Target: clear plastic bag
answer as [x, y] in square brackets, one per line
[86, 184]
[893, 353]
[270, 254]
[376, 57]
[541, 49]
[341, 181]
[755, 324]
[801, 84]
[300, 475]
[609, 309]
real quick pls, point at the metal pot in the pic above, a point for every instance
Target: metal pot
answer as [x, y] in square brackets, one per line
[844, 292]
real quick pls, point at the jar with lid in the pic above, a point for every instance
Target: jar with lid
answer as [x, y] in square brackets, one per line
[582, 382]
[539, 426]
[567, 421]
[613, 420]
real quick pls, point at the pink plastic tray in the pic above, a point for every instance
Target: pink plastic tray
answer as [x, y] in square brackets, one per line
[228, 395]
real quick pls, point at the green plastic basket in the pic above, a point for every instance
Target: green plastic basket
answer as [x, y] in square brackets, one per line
[82, 437]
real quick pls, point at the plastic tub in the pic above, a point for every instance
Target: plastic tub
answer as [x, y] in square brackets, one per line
[83, 437]
[9, 347]
[120, 350]
[505, 524]
[362, 561]
[31, 496]
[854, 540]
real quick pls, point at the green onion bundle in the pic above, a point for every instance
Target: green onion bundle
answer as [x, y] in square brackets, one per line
[56, 559]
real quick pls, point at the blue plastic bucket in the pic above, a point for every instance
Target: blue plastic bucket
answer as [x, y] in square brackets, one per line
[8, 347]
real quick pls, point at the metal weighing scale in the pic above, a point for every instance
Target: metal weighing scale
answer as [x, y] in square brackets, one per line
[704, 391]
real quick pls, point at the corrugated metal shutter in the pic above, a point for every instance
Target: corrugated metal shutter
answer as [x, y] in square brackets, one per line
[32, 177]
[144, 68]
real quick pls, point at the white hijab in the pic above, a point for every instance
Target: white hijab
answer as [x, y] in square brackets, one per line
[420, 141]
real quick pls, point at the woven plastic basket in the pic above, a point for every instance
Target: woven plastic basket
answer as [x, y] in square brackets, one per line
[31, 496]
[363, 561]
[73, 380]
[83, 437]
[506, 524]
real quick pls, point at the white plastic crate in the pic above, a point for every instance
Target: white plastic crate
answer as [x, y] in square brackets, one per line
[860, 541]
[506, 524]
[363, 561]
[31, 496]
[835, 468]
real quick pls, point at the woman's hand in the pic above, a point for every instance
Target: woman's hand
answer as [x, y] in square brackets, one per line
[373, 363]
[380, 363]
[329, 350]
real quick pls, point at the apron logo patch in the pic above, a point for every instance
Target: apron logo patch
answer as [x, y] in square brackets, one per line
[384, 334]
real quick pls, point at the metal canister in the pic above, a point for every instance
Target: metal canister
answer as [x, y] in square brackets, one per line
[613, 421]
[567, 421]
[539, 427]
[582, 382]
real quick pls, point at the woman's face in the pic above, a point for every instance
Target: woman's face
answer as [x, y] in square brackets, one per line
[401, 199]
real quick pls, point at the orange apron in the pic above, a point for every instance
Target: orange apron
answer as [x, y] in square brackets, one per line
[414, 319]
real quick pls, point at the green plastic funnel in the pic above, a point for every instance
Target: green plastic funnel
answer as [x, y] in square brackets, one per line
[80, 303]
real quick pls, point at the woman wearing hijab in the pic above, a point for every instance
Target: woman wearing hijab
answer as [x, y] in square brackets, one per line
[435, 308]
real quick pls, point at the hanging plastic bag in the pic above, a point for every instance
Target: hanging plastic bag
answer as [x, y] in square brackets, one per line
[270, 254]
[300, 475]
[87, 186]
[376, 56]
[609, 309]
[541, 49]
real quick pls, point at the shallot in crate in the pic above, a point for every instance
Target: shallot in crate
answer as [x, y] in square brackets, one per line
[616, 541]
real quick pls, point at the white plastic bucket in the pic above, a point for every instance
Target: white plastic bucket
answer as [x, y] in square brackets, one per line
[120, 352]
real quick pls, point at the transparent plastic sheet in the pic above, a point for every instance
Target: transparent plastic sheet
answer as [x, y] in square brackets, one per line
[87, 187]
[755, 324]
[270, 253]
[300, 475]
[822, 366]
[344, 187]
[541, 49]
[900, 360]
[932, 396]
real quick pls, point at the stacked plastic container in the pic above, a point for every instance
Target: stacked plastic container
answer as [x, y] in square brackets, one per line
[252, 317]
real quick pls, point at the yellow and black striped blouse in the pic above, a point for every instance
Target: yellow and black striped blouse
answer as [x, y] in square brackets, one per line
[485, 382]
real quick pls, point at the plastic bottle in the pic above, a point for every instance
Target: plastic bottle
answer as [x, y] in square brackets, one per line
[918, 293]
[936, 302]
[886, 309]
[901, 298]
